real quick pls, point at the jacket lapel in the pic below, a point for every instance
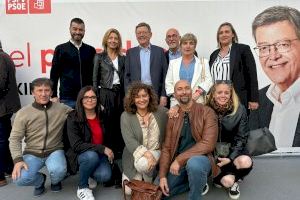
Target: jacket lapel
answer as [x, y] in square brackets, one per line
[136, 55]
[233, 52]
[197, 72]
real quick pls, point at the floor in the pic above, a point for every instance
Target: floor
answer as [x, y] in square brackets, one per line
[273, 178]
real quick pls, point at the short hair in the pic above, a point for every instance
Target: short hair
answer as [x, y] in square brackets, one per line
[235, 38]
[77, 21]
[234, 98]
[134, 89]
[106, 36]
[39, 82]
[188, 36]
[79, 109]
[277, 14]
[143, 24]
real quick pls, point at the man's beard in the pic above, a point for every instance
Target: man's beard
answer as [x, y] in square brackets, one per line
[77, 37]
[184, 100]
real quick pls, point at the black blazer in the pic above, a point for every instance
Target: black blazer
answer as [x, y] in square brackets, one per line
[242, 72]
[261, 118]
[158, 68]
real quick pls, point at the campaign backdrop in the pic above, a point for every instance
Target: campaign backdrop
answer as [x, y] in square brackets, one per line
[31, 29]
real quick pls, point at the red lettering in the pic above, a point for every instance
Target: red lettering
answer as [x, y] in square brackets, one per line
[44, 62]
[17, 56]
[28, 54]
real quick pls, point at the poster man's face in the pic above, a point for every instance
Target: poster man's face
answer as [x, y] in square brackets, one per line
[282, 64]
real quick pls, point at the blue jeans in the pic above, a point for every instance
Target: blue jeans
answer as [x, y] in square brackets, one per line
[92, 164]
[55, 163]
[69, 102]
[193, 176]
[6, 163]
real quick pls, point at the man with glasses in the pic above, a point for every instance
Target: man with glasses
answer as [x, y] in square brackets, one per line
[277, 32]
[40, 124]
[146, 63]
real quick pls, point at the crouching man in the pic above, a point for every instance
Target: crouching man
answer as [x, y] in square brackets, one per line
[186, 159]
[40, 124]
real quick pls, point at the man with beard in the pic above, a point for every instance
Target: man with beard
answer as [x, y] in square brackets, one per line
[186, 160]
[72, 64]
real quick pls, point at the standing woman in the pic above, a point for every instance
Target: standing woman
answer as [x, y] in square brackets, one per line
[86, 137]
[191, 68]
[108, 78]
[235, 62]
[233, 131]
[143, 126]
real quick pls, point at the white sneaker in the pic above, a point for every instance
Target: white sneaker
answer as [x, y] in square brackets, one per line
[205, 189]
[234, 191]
[85, 194]
[92, 183]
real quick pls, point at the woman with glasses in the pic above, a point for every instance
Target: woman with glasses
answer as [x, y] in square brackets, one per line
[231, 155]
[108, 78]
[143, 126]
[86, 138]
[234, 61]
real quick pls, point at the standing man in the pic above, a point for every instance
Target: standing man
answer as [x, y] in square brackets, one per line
[186, 159]
[172, 40]
[72, 64]
[277, 34]
[9, 104]
[146, 63]
[40, 124]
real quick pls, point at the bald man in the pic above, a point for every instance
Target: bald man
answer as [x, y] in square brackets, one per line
[186, 159]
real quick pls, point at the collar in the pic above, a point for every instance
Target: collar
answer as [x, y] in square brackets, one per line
[277, 96]
[145, 48]
[76, 45]
[175, 52]
[41, 106]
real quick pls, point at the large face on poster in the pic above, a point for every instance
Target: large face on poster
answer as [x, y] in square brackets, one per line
[31, 29]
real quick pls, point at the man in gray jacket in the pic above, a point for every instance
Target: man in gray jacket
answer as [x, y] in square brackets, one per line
[9, 104]
[41, 124]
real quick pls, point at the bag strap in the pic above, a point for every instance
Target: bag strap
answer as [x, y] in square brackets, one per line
[203, 70]
[123, 187]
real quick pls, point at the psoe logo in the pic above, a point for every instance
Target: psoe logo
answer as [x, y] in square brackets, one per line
[28, 6]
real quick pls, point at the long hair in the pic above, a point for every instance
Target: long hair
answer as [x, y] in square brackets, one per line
[132, 93]
[235, 39]
[234, 99]
[79, 109]
[106, 36]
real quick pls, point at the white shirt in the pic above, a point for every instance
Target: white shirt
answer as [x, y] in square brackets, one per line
[285, 114]
[116, 79]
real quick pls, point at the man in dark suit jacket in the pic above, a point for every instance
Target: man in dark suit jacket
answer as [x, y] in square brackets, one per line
[276, 32]
[146, 63]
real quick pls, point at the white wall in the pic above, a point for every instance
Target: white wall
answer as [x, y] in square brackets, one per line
[45, 31]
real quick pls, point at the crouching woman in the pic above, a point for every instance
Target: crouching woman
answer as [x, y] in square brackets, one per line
[143, 125]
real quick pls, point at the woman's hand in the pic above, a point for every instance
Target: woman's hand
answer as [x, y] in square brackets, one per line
[197, 94]
[223, 161]
[151, 160]
[173, 112]
[110, 154]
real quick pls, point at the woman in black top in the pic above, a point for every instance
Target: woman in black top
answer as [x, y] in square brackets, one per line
[233, 132]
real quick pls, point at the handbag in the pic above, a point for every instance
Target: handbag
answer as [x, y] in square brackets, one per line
[141, 190]
[260, 141]
[222, 149]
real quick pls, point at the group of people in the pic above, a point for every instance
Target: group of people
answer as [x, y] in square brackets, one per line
[111, 121]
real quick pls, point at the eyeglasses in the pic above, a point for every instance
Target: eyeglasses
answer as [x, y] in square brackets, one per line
[281, 47]
[169, 37]
[89, 98]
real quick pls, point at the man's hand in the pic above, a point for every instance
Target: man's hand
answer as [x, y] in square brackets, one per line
[17, 169]
[163, 101]
[163, 183]
[110, 154]
[223, 161]
[54, 99]
[174, 168]
[253, 105]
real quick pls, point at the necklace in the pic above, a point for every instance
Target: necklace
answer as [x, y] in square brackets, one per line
[143, 117]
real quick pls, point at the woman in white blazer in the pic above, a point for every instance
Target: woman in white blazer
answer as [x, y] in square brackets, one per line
[191, 68]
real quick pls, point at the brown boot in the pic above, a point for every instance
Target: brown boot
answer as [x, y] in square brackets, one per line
[3, 182]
